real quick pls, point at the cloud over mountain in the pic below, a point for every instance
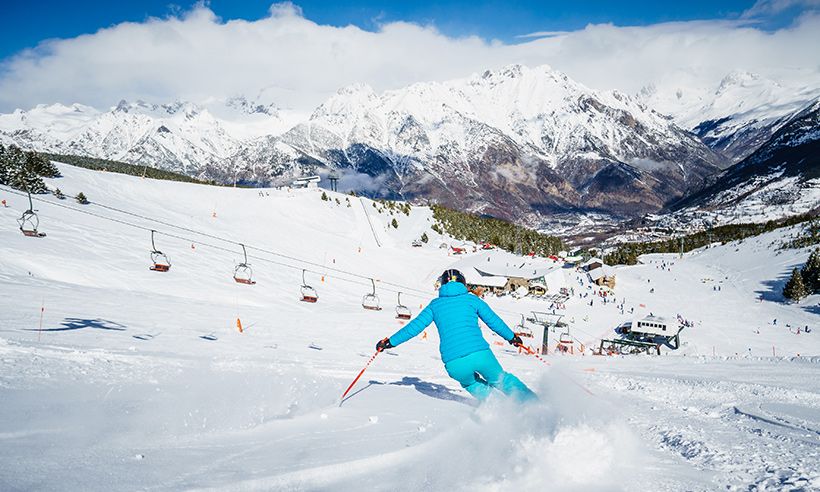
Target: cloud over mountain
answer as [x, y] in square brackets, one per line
[297, 63]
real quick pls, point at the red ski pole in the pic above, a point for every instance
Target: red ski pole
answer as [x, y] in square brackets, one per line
[360, 375]
[532, 352]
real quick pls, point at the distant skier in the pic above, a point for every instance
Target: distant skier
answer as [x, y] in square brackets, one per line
[466, 355]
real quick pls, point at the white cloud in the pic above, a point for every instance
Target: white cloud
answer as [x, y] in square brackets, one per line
[297, 63]
[763, 8]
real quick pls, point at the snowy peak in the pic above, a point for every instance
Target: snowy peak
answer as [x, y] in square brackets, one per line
[505, 138]
[243, 105]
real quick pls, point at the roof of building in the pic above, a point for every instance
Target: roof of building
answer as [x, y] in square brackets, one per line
[493, 268]
[591, 261]
[308, 179]
[604, 271]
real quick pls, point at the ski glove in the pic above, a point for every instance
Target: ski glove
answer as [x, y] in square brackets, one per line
[516, 340]
[384, 344]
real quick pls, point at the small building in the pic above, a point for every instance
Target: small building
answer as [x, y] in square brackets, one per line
[603, 276]
[480, 283]
[306, 182]
[500, 272]
[592, 264]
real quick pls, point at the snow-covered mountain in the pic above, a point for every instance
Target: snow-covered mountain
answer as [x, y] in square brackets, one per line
[516, 142]
[504, 142]
[739, 114]
[180, 136]
[781, 177]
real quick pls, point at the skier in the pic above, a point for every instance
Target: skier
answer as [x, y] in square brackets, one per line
[466, 355]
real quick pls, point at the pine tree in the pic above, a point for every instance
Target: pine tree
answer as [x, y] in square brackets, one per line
[324, 197]
[395, 224]
[21, 170]
[81, 199]
[795, 289]
[4, 166]
[59, 194]
[811, 272]
[424, 237]
[39, 165]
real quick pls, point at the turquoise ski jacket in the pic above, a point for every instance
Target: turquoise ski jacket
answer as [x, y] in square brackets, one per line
[455, 312]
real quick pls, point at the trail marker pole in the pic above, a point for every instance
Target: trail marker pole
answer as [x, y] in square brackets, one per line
[42, 310]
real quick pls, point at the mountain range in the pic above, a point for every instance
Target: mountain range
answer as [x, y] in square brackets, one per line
[518, 143]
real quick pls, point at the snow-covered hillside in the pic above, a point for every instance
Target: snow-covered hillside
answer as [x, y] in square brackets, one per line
[115, 377]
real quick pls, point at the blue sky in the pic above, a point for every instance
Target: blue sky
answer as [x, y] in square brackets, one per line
[26, 23]
[296, 56]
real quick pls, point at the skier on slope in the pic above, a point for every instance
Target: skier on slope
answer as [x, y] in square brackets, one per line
[466, 355]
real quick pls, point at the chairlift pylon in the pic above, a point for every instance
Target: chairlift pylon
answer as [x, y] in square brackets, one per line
[371, 301]
[243, 273]
[159, 260]
[29, 221]
[402, 311]
[308, 293]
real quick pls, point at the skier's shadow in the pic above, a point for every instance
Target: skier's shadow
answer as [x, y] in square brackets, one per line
[69, 324]
[438, 391]
[433, 390]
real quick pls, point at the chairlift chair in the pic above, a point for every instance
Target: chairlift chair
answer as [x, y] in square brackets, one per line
[243, 273]
[308, 293]
[565, 343]
[522, 330]
[371, 301]
[159, 260]
[29, 222]
[402, 311]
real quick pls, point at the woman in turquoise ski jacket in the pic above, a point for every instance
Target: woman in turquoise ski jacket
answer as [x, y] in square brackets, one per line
[466, 355]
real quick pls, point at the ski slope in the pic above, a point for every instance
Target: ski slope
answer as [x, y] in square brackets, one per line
[108, 384]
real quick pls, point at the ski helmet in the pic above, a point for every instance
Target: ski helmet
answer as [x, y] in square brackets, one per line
[452, 275]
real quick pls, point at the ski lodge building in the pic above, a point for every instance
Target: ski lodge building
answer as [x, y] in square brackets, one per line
[306, 182]
[603, 275]
[499, 273]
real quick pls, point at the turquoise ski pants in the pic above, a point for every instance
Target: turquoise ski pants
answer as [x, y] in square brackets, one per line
[480, 372]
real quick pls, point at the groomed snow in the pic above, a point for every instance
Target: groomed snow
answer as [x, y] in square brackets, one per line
[119, 391]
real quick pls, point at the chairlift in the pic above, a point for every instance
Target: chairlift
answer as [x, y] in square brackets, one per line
[402, 311]
[308, 293]
[565, 343]
[29, 222]
[159, 260]
[522, 330]
[371, 301]
[243, 273]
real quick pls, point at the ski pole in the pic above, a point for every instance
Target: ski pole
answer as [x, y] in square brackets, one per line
[530, 351]
[360, 375]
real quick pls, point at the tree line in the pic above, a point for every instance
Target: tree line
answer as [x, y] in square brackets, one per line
[628, 253]
[118, 167]
[505, 235]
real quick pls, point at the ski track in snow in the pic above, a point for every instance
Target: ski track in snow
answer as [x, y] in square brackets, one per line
[87, 405]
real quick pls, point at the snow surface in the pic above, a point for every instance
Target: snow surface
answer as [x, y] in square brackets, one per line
[119, 391]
